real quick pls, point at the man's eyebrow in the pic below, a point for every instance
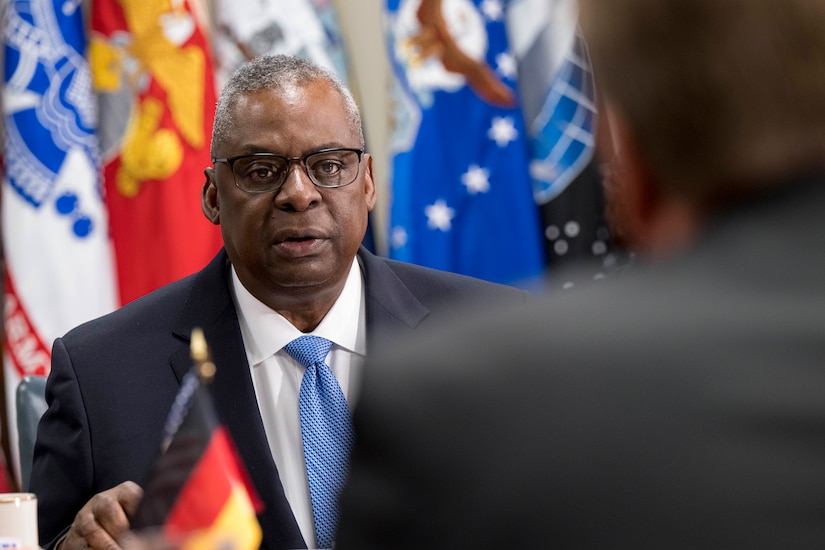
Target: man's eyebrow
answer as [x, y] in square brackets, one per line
[328, 145]
[250, 149]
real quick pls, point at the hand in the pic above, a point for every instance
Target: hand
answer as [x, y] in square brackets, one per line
[104, 519]
[152, 539]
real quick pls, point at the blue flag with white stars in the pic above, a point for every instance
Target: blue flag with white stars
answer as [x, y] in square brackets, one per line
[462, 198]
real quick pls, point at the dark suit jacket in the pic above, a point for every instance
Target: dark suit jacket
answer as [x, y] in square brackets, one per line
[681, 405]
[113, 381]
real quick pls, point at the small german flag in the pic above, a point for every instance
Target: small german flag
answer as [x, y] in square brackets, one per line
[198, 493]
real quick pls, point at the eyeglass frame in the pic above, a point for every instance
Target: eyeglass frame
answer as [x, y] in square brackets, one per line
[230, 161]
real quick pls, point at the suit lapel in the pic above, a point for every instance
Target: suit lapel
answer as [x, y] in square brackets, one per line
[211, 307]
[390, 304]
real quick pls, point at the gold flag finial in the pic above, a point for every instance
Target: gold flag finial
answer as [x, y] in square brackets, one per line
[199, 351]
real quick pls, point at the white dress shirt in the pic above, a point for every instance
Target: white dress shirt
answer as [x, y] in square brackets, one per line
[277, 377]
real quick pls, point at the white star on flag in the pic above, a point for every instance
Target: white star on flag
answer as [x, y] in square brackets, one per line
[439, 215]
[476, 179]
[398, 237]
[502, 131]
[492, 9]
[506, 65]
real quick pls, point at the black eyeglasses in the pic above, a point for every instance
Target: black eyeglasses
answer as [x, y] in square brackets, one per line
[264, 172]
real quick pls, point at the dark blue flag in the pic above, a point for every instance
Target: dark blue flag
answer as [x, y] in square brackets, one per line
[559, 102]
[461, 194]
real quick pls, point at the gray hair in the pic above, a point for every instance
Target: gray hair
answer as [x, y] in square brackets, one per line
[277, 72]
[722, 96]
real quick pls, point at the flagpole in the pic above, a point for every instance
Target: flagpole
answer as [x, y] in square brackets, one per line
[202, 359]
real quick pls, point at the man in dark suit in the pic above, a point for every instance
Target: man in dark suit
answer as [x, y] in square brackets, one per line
[679, 405]
[291, 189]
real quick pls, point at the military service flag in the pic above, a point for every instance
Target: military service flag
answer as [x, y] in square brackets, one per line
[559, 102]
[249, 28]
[461, 194]
[59, 267]
[153, 74]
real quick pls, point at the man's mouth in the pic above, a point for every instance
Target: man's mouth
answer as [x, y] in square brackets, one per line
[297, 246]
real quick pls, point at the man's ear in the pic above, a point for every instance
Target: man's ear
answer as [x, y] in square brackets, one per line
[209, 197]
[630, 188]
[369, 183]
[642, 215]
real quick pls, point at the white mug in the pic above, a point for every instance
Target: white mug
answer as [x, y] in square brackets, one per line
[18, 520]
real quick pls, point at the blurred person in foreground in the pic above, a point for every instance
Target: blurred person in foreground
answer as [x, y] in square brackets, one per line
[291, 188]
[679, 405]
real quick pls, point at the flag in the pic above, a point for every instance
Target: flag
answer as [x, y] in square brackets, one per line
[58, 257]
[461, 197]
[153, 74]
[559, 103]
[198, 494]
[245, 29]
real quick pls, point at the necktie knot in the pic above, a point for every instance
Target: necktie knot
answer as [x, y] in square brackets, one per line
[308, 350]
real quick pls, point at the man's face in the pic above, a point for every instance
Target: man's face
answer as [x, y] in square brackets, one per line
[298, 242]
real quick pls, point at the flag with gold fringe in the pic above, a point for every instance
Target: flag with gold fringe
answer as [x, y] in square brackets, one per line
[198, 494]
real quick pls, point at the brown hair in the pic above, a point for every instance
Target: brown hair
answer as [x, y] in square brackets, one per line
[721, 95]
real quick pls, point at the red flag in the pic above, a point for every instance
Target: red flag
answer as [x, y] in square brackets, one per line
[153, 73]
[198, 492]
[216, 507]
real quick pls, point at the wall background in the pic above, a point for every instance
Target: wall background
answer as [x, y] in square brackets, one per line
[362, 27]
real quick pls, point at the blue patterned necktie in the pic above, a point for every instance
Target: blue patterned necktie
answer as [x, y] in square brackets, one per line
[326, 429]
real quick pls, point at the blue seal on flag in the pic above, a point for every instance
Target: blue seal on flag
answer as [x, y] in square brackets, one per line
[48, 103]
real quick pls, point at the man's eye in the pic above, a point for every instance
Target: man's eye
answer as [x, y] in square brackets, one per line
[262, 170]
[327, 167]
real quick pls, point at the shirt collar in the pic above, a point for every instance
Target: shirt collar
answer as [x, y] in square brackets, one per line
[266, 331]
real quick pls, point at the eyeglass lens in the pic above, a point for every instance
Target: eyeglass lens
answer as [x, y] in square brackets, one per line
[325, 169]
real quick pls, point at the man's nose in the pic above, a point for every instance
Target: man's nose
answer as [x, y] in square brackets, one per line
[297, 192]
